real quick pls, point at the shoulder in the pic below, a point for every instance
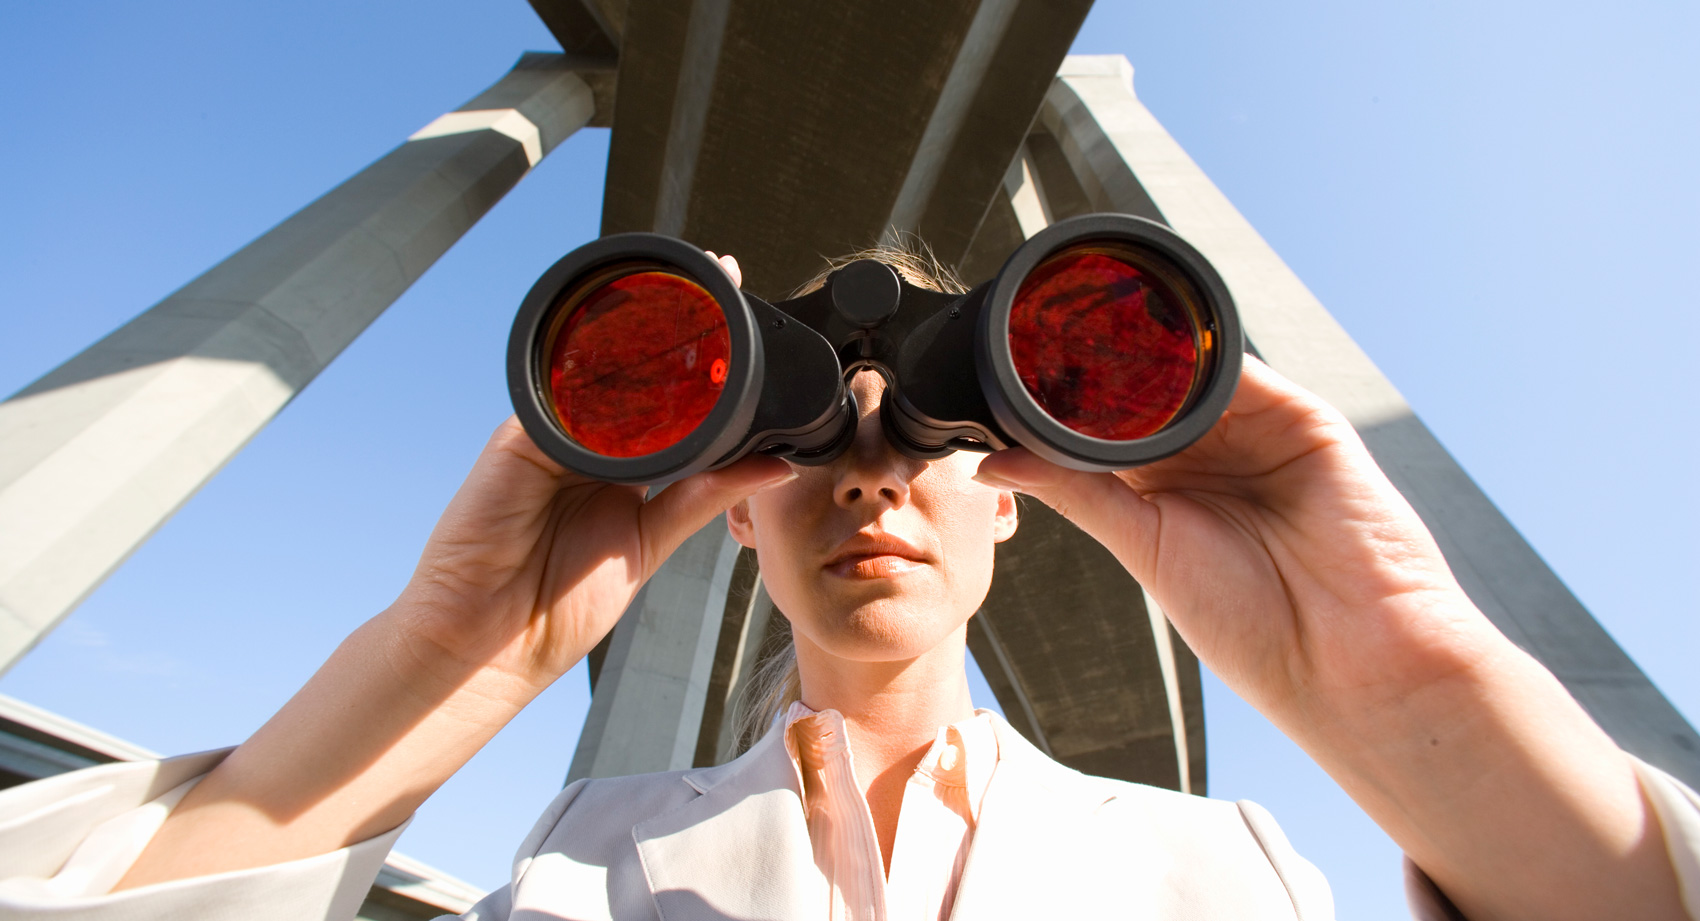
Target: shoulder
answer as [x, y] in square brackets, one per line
[1213, 841]
[598, 813]
[1198, 850]
[1210, 830]
[586, 855]
[594, 818]
[1207, 829]
[579, 859]
[1168, 811]
[1117, 802]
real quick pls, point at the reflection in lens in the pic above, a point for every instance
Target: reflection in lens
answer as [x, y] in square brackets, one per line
[638, 363]
[1107, 348]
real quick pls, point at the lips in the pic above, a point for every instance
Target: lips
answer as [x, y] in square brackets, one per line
[875, 555]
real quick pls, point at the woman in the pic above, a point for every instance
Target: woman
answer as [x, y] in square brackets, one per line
[1281, 553]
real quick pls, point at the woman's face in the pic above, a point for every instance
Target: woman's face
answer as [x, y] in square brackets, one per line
[877, 556]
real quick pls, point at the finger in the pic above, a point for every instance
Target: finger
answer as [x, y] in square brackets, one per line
[509, 492]
[1262, 387]
[730, 265]
[1272, 419]
[1100, 503]
[511, 437]
[684, 507]
[511, 473]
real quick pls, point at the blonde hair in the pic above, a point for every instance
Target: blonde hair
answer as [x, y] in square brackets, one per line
[775, 682]
[907, 253]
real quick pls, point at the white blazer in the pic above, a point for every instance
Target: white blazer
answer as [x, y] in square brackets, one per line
[714, 843]
[732, 842]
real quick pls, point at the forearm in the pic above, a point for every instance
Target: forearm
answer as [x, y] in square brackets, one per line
[527, 569]
[1497, 783]
[1292, 566]
[353, 754]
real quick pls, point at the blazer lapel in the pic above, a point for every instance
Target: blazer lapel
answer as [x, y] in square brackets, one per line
[740, 850]
[1028, 841]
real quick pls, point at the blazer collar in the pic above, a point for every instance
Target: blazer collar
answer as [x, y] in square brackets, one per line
[739, 850]
[1027, 842]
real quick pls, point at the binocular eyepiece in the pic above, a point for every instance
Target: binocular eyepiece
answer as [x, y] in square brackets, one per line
[1104, 342]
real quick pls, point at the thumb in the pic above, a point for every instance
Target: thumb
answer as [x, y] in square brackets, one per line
[1101, 504]
[684, 507]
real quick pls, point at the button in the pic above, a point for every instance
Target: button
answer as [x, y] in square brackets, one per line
[866, 292]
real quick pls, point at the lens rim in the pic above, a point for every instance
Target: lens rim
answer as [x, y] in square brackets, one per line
[719, 434]
[1034, 428]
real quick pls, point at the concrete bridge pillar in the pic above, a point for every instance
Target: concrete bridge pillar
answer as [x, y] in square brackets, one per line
[103, 449]
[1094, 139]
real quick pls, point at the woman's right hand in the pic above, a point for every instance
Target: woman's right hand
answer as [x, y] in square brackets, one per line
[528, 568]
[531, 565]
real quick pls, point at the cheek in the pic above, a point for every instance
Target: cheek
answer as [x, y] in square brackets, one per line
[963, 516]
[960, 509]
[954, 515]
[782, 521]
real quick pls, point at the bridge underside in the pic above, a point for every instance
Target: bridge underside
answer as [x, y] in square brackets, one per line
[786, 133]
[751, 127]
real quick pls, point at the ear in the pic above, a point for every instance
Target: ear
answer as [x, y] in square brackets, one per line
[1008, 516]
[738, 522]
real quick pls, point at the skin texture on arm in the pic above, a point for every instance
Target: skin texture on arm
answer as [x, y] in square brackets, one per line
[526, 570]
[1297, 572]
[1277, 547]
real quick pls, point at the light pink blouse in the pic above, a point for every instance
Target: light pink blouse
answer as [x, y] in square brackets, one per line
[941, 806]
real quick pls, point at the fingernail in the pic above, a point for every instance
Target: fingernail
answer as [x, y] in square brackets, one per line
[781, 481]
[994, 481]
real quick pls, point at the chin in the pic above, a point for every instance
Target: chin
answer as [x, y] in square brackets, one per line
[882, 630]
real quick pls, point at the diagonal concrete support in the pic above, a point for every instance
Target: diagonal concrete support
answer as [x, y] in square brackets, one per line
[103, 449]
[750, 631]
[1007, 59]
[1082, 665]
[582, 28]
[1081, 659]
[781, 133]
[1123, 160]
[651, 678]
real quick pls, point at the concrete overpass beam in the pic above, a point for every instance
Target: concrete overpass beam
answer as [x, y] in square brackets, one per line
[652, 680]
[103, 449]
[1125, 161]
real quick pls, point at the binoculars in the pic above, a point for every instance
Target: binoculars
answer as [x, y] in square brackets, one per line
[1105, 342]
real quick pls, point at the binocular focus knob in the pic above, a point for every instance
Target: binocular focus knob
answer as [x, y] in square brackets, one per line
[866, 292]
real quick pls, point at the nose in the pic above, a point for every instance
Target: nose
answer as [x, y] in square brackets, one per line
[872, 475]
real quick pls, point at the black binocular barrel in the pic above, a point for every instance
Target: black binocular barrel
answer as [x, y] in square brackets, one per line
[1105, 342]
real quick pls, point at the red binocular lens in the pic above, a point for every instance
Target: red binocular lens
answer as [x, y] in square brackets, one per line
[637, 359]
[1108, 342]
[627, 365]
[1103, 345]
[1105, 342]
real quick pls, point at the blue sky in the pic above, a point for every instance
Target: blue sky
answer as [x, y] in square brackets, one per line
[1498, 202]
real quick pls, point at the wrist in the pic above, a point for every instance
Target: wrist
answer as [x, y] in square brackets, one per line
[1493, 780]
[1483, 711]
[492, 650]
[1428, 660]
[372, 734]
[438, 665]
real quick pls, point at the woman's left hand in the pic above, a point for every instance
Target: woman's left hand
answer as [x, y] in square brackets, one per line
[1279, 550]
[1305, 581]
